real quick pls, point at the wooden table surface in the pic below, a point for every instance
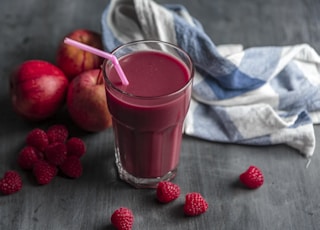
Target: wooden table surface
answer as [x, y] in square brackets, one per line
[290, 197]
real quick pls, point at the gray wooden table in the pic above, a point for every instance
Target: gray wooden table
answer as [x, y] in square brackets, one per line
[290, 197]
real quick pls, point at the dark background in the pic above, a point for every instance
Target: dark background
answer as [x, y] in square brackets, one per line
[290, 197]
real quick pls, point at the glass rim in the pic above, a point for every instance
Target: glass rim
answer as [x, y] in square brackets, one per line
[113, 86]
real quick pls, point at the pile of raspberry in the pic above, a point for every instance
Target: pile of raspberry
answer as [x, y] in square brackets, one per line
[46, 153]
[50, 151]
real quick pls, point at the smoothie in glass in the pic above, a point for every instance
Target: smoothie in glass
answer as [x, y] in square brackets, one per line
[148, 114]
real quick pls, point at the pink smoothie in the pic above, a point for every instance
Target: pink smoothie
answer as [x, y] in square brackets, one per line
[146, 121]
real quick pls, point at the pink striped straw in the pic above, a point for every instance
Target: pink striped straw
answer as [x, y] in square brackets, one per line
[102, 54]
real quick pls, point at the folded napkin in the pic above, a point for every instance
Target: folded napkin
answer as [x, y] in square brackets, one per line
[256, 96]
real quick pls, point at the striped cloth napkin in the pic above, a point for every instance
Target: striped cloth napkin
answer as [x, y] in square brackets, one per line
[255, 96]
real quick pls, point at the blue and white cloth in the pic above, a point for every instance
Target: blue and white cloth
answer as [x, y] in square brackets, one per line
[256, 96]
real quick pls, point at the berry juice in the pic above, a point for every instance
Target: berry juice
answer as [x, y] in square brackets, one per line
[148, 114]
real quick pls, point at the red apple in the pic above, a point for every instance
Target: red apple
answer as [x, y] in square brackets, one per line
[38, 89]
[73, 60]
[87, 103]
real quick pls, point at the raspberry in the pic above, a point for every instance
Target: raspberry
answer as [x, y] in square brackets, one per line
[37, 138]
[195, 204]
[122, 219]
[56, 153]
[167, 191]
[28, 156]
[57, 133]
[72, 167]
[76, 147]
[44, 172]
[252, 177]
[10, 183]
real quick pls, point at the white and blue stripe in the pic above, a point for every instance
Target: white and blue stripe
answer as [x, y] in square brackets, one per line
[257, 96]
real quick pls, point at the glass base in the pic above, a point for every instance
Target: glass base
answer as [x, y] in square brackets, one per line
[141, 182]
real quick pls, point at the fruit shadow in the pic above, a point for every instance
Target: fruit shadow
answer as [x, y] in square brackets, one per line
[237, 186]
[172, 210]
[11, 123]
[176, 212]
[9, 120]
[107, 227]
[99, 168]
